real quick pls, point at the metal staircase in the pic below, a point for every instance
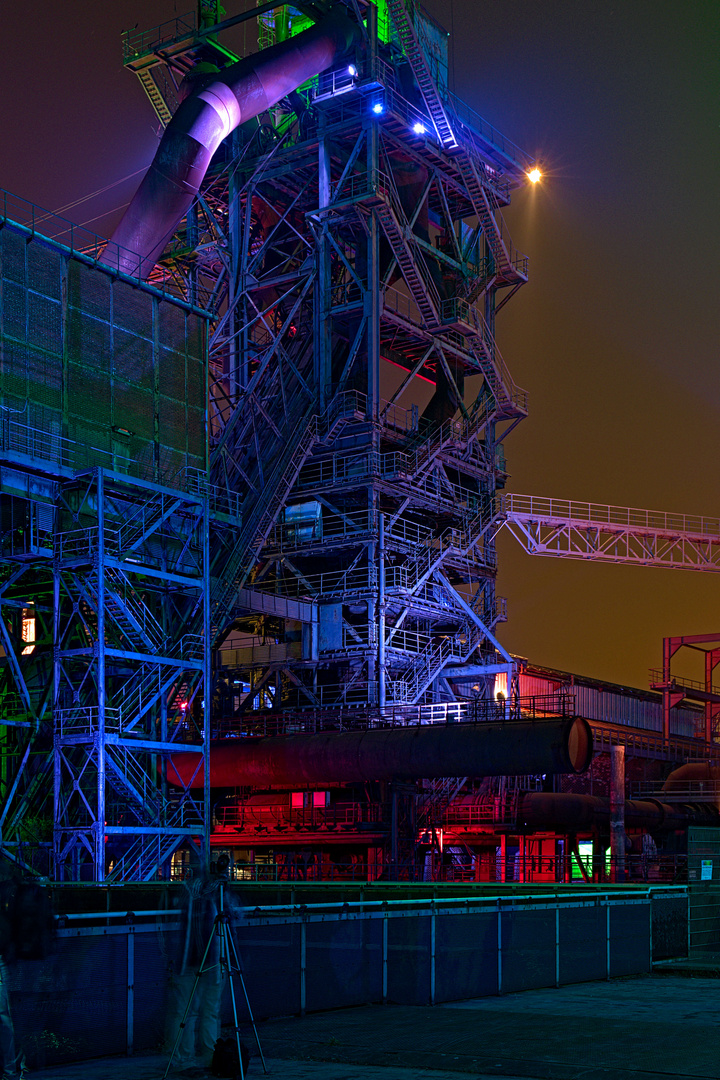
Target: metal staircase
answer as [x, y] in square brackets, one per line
[509, 264]
[156, 99]
[430, 662]
[437, 796]
[421, 287]
[131, 781]
[239, 561]
[418, 63]
[135, 621]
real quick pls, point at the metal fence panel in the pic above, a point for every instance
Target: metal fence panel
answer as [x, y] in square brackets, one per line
[153, 955]
[629, 944]
[583, 944]
[344, 964]
[270, 961]
[72, 1004]
[466, 956]
[409, 960]
[528, 939]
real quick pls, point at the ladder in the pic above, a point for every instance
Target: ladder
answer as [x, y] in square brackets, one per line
[156, 99]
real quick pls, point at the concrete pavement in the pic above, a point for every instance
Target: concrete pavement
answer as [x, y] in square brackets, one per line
[641, 1028]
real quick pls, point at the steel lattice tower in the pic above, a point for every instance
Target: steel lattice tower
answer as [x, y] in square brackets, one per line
[355, 228]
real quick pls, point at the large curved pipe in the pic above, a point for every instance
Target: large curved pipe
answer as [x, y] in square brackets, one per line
[238, 93]
[408, 753]
[697, 772]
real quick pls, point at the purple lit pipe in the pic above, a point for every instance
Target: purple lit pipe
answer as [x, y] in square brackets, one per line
[238, 93]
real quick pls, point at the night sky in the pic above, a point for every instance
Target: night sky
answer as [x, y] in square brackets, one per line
[616, 337]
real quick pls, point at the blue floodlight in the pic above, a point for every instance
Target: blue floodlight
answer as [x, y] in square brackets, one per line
[378, 108]
[352, 71]
[419, 128]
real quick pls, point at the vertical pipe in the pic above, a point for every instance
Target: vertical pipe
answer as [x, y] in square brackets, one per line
[100, 733]
[382, 688]
[323, 304]
[667, 654]
[206, 679]
[709, 664]
[503, 858]
[372, 296]
[557, 945]
[617, 812]
[57, 771]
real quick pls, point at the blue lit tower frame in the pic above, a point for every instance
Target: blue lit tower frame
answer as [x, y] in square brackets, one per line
[104, 579]
[356, 229]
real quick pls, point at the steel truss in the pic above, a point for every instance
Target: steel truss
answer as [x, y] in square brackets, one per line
[131, 587]
[598, 533]
[335, 239]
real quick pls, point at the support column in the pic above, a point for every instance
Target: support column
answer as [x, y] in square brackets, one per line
[617, 811]
[100, 730]
[381, 612]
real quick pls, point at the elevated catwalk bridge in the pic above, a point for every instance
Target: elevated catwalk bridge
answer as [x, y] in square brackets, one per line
[568, 529]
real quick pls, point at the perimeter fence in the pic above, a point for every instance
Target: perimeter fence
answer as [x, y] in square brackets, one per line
[104, 988]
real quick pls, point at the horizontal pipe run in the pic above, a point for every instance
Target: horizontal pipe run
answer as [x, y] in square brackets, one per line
[582, 813]
[408, 753]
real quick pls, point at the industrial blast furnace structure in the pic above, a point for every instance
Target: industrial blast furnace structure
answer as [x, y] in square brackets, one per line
[248, 579]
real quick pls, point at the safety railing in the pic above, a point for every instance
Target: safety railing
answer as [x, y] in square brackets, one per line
[248, 816]
[476, 124]
[139, 43]
[657, 678]
[621, 517]
[84, 244]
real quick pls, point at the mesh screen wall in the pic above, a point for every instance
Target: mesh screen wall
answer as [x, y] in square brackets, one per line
[113, 373]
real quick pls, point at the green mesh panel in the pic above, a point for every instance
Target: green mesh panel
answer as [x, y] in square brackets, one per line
[126, 356]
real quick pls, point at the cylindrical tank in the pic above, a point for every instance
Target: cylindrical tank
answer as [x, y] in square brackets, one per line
[406, 753]
[236, 95]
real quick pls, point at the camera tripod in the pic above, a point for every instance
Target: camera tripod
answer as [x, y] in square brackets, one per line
[229, 964]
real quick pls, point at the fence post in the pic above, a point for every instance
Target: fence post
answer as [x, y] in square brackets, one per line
[607, 934]
[557, 945]
[385, 957]
[433, 918]
[303, 964]
[499, 948]
[130, 986]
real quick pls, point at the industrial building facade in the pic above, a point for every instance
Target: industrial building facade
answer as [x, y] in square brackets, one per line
[252, 457]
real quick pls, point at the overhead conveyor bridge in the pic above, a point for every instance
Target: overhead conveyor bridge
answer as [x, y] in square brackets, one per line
[567, 529]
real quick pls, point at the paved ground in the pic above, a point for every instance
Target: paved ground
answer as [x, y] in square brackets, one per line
[645, 1028]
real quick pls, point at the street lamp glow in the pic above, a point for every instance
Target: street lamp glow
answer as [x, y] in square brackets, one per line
[534, 175]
